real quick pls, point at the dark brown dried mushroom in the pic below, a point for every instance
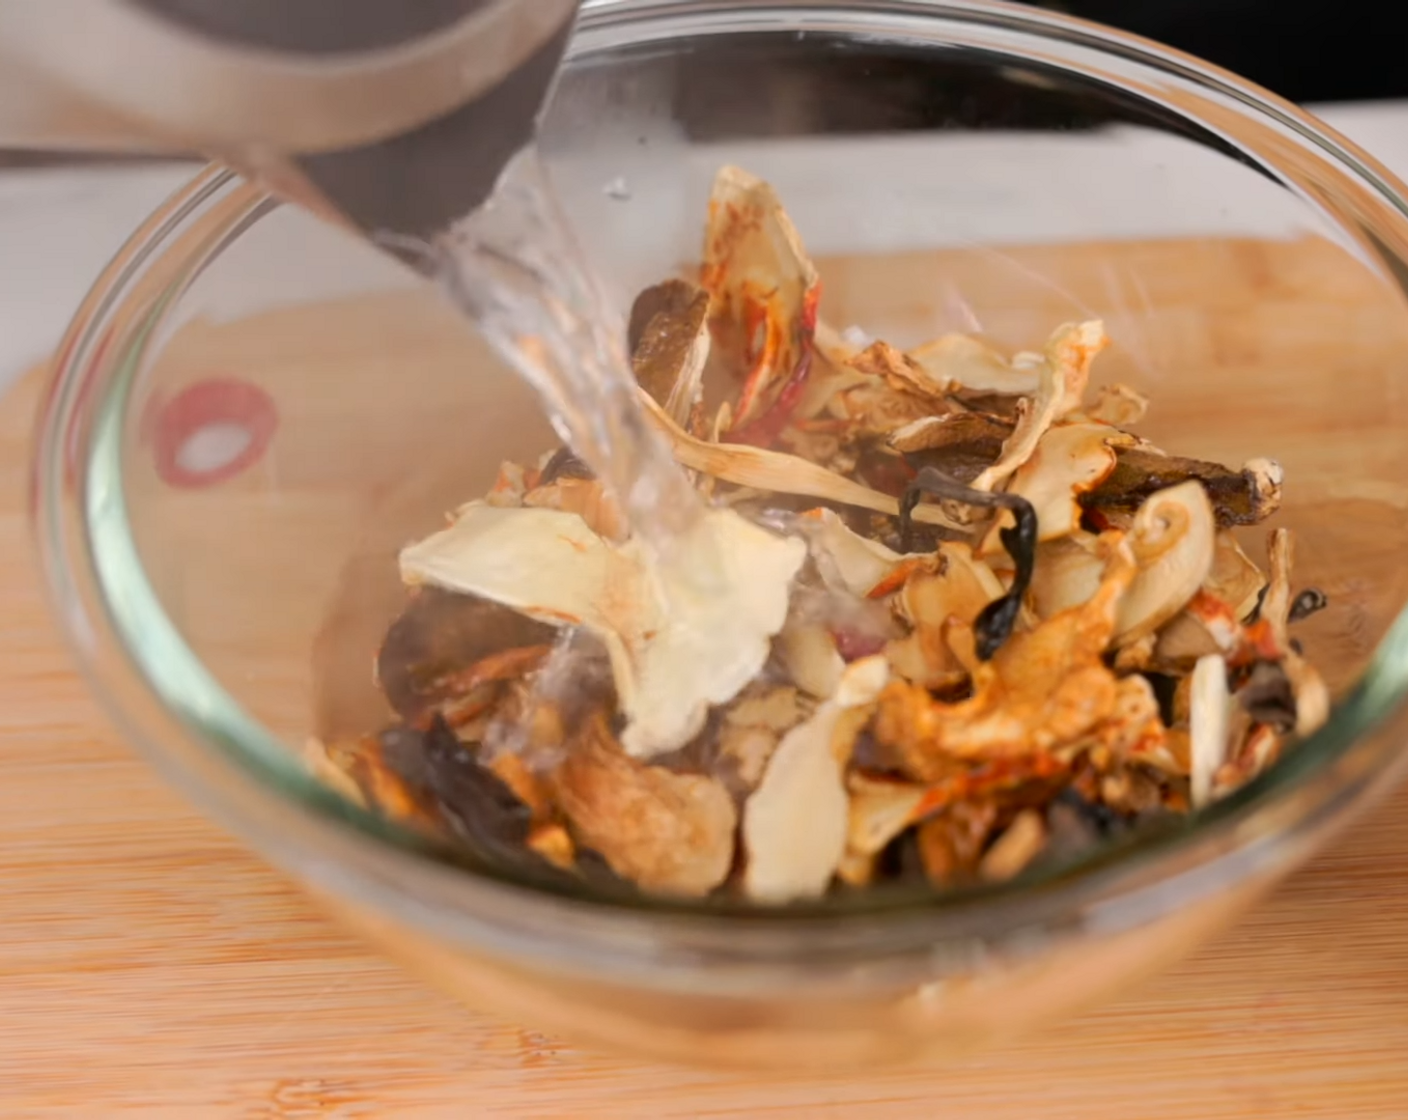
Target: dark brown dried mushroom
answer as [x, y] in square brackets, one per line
[669, 339]
[441, 634]
[1243, 497]
[961, 444]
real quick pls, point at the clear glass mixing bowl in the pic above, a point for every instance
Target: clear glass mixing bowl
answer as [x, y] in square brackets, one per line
[251, 414]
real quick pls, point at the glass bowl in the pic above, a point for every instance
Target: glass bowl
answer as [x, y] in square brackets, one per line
[252, 413]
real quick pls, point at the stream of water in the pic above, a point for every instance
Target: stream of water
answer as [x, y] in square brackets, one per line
[515, 267]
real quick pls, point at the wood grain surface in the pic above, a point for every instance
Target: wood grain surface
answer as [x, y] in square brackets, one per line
[151, 967]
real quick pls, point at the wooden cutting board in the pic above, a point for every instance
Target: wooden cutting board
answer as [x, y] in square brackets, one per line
[151, 967]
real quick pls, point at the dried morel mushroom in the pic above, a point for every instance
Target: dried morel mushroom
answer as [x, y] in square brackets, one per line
[973, 624]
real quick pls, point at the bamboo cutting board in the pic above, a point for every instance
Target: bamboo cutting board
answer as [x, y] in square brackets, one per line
[151, 967]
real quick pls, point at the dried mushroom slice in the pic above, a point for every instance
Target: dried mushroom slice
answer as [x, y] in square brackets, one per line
[1172, 539]
[845, 558]
[881, 808]
[777, 472]
[439, 636]
[675, 649]
[1063, 377]
[1071, 459]
[664, 831]
[1020, 843]
[1206, 625]
[669, 340]
[1234, 578]
[958, 587]
[763, 286]
[794, 824]
[1209, 725]
[1243, 497]
[1118, 405]
[1067, 572]
[961, 362]
[961, 444]
[902, 374]
[1312, 695]
[752, 727]
[807, 650]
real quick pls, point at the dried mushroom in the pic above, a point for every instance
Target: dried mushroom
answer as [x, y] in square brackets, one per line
[1245, 497]
[964, 623]
[794, 824]
[763, 290]
[669, 340]
[1172, 541]
[958, 361]
[666, 832]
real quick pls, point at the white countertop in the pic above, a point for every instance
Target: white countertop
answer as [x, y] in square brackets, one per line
[59, 226]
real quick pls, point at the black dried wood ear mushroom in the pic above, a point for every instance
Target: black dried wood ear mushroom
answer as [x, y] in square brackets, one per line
[994, 624]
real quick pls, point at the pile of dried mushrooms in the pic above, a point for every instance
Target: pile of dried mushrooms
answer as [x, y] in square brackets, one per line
[985, 624]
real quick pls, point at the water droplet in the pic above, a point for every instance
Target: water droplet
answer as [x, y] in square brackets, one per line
[618, 189]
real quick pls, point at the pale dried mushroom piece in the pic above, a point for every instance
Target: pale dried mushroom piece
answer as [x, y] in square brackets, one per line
[845, 558]
[959, 361]
[675, 649]
[1172, 541]
[1277, 600]
[664, 831]
[1206, 625]
[794, 824]
[1234, 578]
[808, 651]
[778, 472]
[881, 809]
[1066, 574]
[758, 274]
[1311, 693]
[1118, 405]
[752, 727]
[959, 587]
[902, 373]
[1209, 725]
[1063, 378]
[1071, 459]
[1020, 843]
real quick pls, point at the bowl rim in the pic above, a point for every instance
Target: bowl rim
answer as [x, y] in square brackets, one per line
[80, 529]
